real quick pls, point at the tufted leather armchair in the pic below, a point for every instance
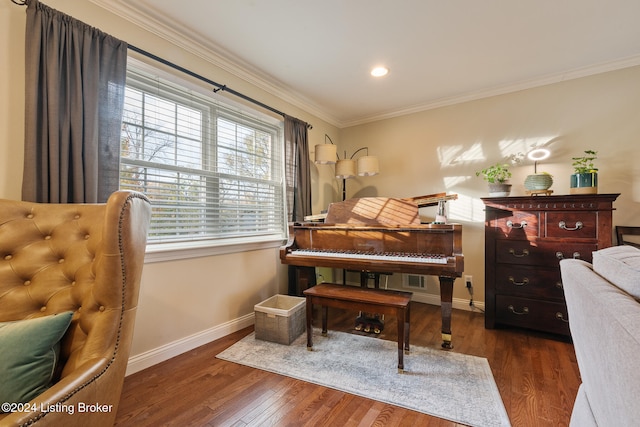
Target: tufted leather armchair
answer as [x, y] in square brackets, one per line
[85, 258]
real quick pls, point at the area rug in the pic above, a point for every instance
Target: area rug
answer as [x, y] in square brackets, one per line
[448, 385]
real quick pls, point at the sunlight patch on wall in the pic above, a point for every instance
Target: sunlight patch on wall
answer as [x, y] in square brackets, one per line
[510, 148]
[466, 208]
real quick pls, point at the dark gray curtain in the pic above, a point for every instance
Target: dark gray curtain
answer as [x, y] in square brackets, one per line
[75, 81]
[298, 172]
[298, 177]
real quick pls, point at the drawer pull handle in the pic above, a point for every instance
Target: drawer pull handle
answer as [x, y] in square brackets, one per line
[563, 225]
[560, 316]
[525, 281]
[560, 255]
[559, 285]
[525, 252]
[510, 224]
[525, 310]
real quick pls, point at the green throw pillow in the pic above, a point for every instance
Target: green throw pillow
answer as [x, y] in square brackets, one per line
[29, 354]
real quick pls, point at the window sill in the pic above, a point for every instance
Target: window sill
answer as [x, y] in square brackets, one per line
[161, 252]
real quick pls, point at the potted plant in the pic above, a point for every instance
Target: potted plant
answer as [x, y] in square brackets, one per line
[496, 176]
[584, 179]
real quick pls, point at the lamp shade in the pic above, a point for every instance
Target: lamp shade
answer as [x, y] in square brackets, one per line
[345, 169]
[325, 154]
[368, 166]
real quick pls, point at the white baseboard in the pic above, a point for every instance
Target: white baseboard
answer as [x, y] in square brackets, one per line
[457, 303]
[152, 357]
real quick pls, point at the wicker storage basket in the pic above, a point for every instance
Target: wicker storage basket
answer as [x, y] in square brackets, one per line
[280, 319]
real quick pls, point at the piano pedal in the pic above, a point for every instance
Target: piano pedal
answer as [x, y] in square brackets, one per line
[360, 322]
[378, 326]
[369, 324]
[373, 325]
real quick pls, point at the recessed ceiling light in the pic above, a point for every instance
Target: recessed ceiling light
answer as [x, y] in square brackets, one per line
[379, 71]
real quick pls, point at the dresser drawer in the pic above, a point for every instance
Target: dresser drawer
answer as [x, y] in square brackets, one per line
[545, 316]
[541, 253]
[514, 225]
[529, 281]
[574, 225]
[525, 239]
[583, 251]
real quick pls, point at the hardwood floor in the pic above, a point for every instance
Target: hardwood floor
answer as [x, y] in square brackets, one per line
[537, 376]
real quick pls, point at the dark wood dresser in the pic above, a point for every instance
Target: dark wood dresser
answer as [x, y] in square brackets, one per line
[525, 238]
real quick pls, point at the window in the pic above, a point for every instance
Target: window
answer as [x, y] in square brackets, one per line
[211, 170]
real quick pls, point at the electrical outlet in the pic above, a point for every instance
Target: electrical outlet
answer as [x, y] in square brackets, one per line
[468, 281]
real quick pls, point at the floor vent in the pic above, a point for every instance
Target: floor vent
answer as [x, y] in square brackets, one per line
[413, 281]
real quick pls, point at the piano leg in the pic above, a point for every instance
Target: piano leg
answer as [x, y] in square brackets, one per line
[301, 278]
[407, 328]
[446, 303]
[403, 316]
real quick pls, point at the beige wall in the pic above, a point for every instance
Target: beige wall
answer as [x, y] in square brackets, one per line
[441, 149]
[422, 153]
[182, 302]
[11, 99]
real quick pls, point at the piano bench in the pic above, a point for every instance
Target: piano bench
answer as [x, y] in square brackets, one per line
[389, 302]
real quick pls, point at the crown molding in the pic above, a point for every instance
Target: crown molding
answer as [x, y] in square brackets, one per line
[189, 41]
[577, 73]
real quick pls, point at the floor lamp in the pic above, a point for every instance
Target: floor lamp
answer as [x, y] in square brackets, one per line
[346, 168]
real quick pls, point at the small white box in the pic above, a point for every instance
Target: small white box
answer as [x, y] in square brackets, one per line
[280, 319]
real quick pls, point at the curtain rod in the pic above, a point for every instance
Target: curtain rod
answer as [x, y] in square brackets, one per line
[197, 76]
[219, 86]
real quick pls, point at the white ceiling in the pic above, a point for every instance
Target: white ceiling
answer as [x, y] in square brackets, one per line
[317, 54]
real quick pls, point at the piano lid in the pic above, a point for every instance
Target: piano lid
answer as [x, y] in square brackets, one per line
[420, 201]
[383, 211]
[376, 226]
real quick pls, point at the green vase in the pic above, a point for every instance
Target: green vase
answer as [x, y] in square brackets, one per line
[584, 183]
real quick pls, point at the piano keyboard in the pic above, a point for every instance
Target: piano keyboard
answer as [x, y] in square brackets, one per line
[373, 256]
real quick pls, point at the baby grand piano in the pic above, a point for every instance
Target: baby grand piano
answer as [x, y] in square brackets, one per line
[376, 234]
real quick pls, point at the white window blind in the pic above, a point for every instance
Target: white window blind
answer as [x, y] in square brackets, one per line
[211, 171]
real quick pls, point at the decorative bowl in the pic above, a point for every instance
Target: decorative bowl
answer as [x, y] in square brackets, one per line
[539, 181]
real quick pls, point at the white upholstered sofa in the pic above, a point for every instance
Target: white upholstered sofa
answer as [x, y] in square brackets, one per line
[604, 315]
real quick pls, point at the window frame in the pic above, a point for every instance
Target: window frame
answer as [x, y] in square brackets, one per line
[217, 107]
